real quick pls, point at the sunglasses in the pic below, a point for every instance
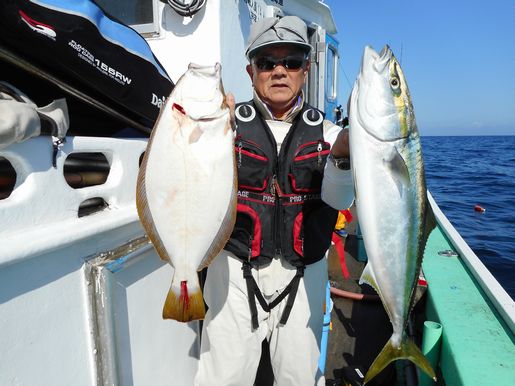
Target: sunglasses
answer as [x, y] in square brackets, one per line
[267, 63]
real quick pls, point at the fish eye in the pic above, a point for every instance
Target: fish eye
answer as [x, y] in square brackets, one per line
[395, 83]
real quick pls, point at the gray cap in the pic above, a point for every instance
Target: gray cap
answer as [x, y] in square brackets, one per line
[273, 30]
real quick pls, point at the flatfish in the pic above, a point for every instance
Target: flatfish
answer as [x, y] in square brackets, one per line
[187, 185]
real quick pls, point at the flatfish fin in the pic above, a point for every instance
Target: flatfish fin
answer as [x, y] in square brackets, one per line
[226, 228]
[184, 302]
[144, 210]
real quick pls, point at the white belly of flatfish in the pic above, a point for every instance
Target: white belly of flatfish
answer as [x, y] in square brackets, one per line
[186, 193]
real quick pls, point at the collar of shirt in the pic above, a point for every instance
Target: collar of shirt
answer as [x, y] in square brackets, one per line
[267, 114]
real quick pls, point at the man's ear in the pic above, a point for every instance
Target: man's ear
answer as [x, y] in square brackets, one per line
[250, 72]
[306, 70]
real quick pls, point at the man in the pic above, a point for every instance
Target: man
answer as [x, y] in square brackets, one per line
[269, 282]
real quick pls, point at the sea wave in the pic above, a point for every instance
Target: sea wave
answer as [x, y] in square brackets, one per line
[462, 172]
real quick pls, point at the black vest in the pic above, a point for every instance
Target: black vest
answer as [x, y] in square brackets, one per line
[280, 211]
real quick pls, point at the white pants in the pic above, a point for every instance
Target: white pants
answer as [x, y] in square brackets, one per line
[231, 350]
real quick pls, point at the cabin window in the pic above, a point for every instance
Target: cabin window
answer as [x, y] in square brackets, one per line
[332, 70]
[142, 15]
[86, 169]
[91, 205]
[7, 178]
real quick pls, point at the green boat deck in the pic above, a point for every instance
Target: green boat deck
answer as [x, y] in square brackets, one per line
[477, 347]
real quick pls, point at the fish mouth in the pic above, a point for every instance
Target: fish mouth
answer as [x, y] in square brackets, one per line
[206, 70]
[383, 59]
[210, 104]
[204, 75]
[379, 62]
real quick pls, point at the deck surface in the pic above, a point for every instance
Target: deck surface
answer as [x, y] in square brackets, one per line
[476, 343]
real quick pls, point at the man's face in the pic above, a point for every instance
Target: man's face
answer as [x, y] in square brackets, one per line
[277, 85]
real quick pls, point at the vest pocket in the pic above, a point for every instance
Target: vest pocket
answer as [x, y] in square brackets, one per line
[246, 236]
[308, 167]
[254, 175]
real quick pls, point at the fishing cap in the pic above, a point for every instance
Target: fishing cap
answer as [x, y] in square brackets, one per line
[274, 30]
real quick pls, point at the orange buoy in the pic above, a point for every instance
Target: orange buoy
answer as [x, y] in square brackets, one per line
[478, 208]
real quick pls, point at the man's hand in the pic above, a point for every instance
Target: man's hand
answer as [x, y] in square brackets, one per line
[340, 148]
[229, 99]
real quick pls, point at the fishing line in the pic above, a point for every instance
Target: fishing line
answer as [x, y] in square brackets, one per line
[340, 67]
[346, 77]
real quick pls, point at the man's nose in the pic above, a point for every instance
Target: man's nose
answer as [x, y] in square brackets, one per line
[279, 69]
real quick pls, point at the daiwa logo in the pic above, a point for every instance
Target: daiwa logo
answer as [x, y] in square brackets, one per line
[38, 27]
[156, 101]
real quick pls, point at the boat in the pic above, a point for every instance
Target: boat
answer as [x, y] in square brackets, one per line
[81, 287]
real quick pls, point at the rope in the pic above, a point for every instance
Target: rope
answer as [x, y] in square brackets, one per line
[186, 8]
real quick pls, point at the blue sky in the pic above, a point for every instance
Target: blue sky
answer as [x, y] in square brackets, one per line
[458, 57]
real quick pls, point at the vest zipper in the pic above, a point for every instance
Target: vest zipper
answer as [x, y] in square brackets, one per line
[240, 146]
[275, 190]
[319, 149]
[272, 186]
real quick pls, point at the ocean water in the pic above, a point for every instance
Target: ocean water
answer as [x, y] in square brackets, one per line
[462, 172]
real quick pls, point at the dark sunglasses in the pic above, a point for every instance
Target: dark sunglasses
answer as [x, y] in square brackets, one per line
[267, 63]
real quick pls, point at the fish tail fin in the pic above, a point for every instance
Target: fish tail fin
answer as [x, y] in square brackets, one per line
[184, 302]
[407, 350]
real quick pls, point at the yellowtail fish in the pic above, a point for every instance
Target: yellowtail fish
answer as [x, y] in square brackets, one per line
[394, 214]
[186, 190]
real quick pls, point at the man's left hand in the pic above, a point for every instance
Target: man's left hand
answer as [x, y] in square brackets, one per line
[340, 148]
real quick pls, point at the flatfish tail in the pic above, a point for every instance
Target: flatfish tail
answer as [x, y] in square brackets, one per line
[183, 304]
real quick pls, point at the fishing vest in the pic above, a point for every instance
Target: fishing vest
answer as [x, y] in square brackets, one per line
[280, 211]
